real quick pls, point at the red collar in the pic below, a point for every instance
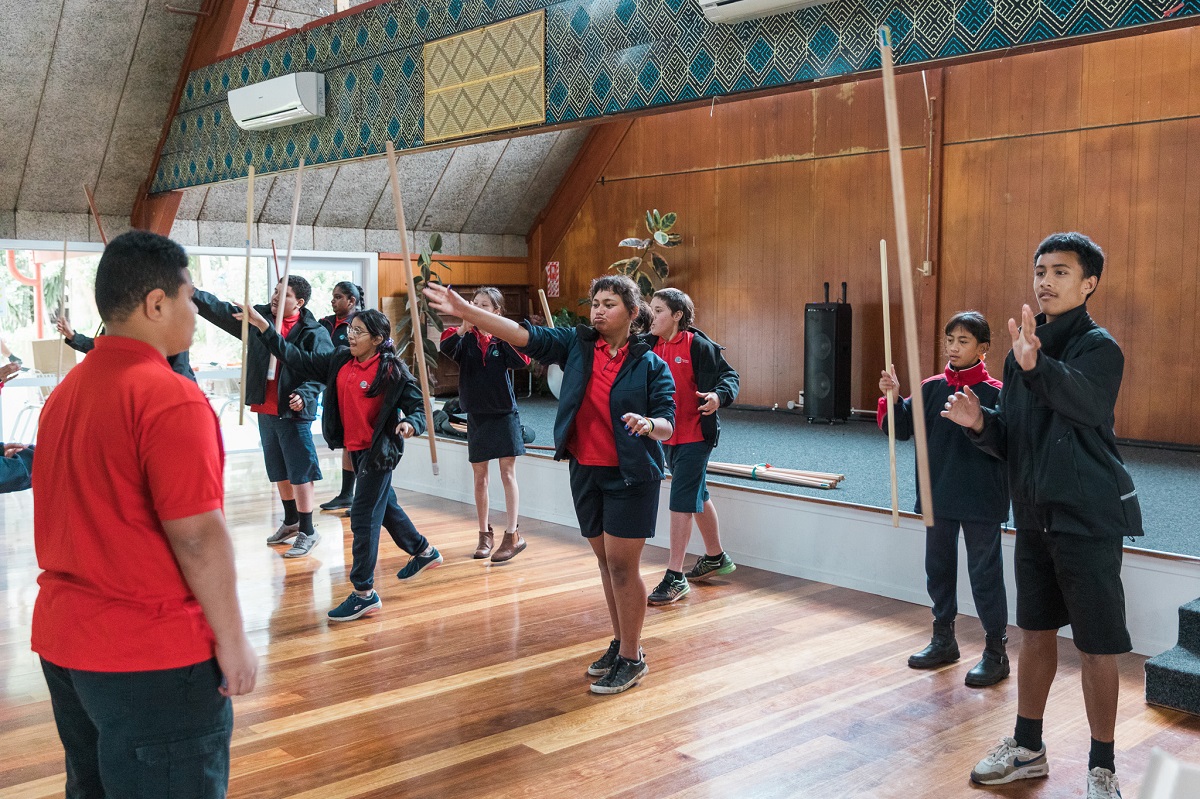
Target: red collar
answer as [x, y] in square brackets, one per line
[957, 378]
[366, 365]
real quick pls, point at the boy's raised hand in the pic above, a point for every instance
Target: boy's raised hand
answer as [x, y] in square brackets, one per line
[64, 327]
[888, 381]
[963, 409]
[256, 319]
[1025, 341]
[8, 370]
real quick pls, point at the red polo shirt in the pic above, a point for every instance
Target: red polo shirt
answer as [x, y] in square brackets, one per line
[124, 444]
[359, 412]
[591, 440]
[270, 405]
[678, 354]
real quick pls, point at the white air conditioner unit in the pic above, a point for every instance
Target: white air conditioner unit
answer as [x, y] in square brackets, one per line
[285, 100]
[730, 11]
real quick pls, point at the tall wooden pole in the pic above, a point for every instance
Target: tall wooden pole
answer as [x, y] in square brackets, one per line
[95, 214]
[891, 395]
[246, 297]
[417, 338]
[904, 251]
[281, 288]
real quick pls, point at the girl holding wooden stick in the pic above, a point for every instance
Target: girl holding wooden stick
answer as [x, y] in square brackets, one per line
[970, 490]
[615, 406]
[704, 382]
[493, 425]
[366, 388]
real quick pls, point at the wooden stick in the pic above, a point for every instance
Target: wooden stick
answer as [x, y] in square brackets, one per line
[95, 214]
[891, 395]
[246, 298]
[904, 252]
[417, 338]
[767, 473]
[546, 307]
[62, 296]
[281, 286]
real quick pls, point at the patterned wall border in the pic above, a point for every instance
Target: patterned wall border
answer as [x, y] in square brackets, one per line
[602, 57]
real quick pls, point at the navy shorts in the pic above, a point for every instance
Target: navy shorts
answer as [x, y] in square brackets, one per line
[689, 472]
[288, 450]
[605, 503]
[1072, 579]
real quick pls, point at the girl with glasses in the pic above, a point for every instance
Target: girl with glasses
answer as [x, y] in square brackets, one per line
[347, 300]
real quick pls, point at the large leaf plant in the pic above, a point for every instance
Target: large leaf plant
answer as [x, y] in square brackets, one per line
[428, 270]
[648, 268]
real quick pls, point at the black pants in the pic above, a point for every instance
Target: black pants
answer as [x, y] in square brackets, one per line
[143, 733]
[374, 506]
[984, 566]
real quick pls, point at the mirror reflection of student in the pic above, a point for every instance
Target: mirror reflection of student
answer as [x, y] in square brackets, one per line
[137, 621]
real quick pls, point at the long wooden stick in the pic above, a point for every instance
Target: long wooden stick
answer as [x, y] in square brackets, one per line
[546, 307]
[417, 338]
[891, 395]
[95, 214]
[904, 252]
[246, 298]
[281, 287]
[62, 296]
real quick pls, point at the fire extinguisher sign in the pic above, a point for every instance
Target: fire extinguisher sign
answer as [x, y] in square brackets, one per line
[552, 279]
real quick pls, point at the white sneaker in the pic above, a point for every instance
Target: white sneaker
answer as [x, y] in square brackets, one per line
[303, 544]
[1102, 784]
[285, 533]
[1008, 762]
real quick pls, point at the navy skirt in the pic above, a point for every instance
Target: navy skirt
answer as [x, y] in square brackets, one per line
[494, 435]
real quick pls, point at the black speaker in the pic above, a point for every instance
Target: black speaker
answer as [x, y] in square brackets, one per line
[827, 330]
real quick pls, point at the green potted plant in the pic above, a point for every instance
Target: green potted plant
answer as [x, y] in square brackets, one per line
[648, 268]
[426, 272]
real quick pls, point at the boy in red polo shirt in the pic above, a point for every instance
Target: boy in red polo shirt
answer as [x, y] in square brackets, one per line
[137, 620]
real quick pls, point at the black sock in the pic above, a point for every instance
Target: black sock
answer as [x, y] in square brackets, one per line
[1102, 756]
[347, 483]
[290, 516]
[306, 523]
[1028, 733]
[674, 576]
[715, 558]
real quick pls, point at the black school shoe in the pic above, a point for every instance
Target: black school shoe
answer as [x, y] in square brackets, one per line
[623, 675]
[339, 502]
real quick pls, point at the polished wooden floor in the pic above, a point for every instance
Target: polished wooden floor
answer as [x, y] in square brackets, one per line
[471, 683]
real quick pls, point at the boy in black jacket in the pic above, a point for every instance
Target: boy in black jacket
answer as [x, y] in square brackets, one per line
[286, 405]
[969, 491]
[1073, 501]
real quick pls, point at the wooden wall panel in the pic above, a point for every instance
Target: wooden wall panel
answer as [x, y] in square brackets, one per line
[465, 269]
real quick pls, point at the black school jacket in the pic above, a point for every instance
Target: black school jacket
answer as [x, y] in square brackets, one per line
[387, 446]
[713, 373]
[484, 384]
[1054, 426]
[307, 335]
[643, 386]
[969, 485]
[337, 329]
[181, 364]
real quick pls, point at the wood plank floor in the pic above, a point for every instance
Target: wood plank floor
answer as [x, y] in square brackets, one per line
[471, 682]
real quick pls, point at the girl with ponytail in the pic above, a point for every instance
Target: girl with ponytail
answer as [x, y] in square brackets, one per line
[347, 301]
[368, 389]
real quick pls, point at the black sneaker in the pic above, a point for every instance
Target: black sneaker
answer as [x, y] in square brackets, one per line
[623, 675]
[420, 564]
[337, 503]
[669, 591]
[706, 568]
[601, 666]
[355, 607]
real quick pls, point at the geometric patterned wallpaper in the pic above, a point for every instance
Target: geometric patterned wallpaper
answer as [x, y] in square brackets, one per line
[601, 57]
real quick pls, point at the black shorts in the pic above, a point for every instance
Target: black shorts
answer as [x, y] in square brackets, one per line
[605, 503]
[689, 468]
[491, 436]
[1072, 579]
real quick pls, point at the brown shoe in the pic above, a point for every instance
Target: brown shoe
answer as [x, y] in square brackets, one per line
[512, 545]
[485, 543]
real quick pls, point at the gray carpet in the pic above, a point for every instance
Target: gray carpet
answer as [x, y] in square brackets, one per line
[1168, 481]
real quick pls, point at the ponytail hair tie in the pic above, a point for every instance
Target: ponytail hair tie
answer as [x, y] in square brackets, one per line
[388, 343]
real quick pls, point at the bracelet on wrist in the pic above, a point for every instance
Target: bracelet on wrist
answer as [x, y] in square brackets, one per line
[651, 421]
